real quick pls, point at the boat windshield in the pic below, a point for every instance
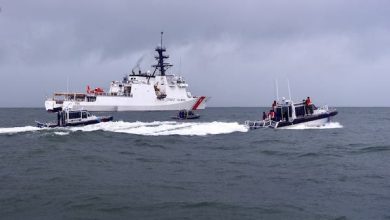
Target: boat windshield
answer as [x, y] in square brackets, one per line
[73, 115]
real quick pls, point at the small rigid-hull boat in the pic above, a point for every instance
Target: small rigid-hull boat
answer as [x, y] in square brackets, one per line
[67, 118]
[186, 114]
[315, 120]
[290, 114]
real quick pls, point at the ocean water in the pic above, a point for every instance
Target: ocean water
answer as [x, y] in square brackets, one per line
[147, 166]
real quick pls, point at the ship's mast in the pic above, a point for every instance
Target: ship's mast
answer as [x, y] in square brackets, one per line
[161, 65]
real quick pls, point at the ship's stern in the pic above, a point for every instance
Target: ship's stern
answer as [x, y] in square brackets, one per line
[200, 103]
[52, 105]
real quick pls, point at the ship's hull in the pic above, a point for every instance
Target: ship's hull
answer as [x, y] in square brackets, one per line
[114, 104]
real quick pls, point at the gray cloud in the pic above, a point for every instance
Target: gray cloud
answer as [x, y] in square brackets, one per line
[335, 51]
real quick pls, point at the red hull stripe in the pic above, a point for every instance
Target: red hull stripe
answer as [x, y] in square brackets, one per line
[200, 100]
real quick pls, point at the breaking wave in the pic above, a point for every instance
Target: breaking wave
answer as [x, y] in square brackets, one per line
[166, 128]
[329, 125]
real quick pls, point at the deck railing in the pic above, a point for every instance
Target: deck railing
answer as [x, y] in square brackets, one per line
[79, 97]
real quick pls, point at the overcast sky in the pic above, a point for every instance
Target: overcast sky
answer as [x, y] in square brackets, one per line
[337, 52]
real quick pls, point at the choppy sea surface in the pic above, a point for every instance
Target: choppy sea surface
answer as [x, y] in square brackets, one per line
[147, 166]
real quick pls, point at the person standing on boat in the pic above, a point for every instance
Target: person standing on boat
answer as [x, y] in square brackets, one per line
[309, 106]
[274, 105]
[272, 114]
[264, 116]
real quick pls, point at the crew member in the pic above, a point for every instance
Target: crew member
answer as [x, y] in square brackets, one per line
[264, 116]
[272, 114]
[274, 105]
[309, 106]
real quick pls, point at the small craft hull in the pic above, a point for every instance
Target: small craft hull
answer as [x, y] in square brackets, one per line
[309, 120]
[46, 125]
[186, 118]
[79, 123]
[257, 124]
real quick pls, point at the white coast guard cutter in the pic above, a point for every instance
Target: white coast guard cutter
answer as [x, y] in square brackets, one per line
[157, 91]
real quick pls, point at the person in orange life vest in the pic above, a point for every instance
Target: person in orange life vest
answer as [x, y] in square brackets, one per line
[271, 114]
[309, 106]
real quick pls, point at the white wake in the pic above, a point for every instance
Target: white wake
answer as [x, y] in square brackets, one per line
[166, 128]
[329, 125]
[18, 129]
[157, 128]
[143, 128]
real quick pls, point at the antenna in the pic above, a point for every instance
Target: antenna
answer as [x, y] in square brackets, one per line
[277, 89]
[161, 65]
[67, 84]
[161, 38]
[289, 91]
[180, 66]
